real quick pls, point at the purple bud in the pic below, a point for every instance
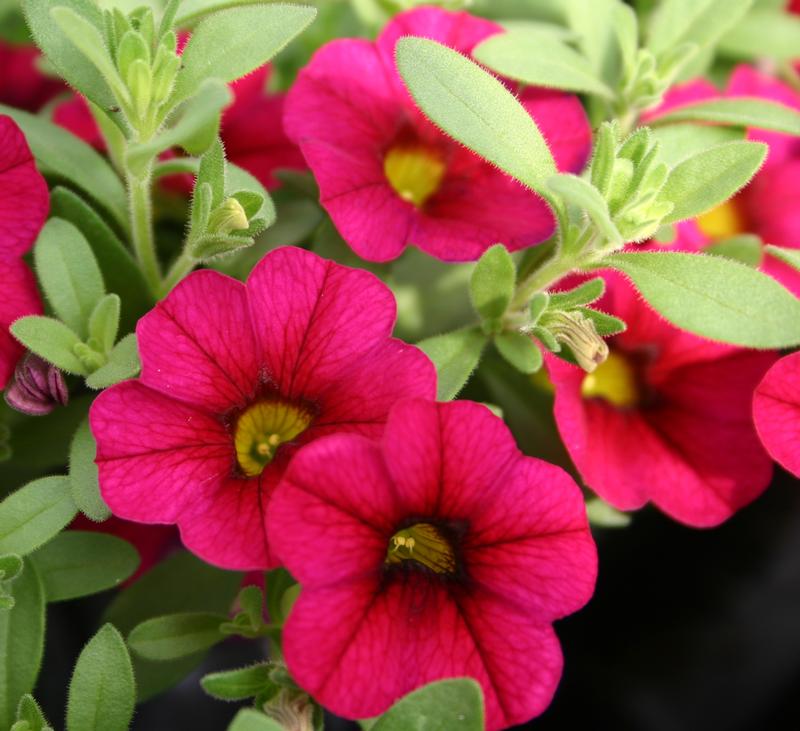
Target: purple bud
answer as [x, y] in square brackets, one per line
[38, 387]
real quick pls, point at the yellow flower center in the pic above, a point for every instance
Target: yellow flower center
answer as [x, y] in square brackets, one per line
[426, 545]
[722, 222]
[414, 171]
[262, 428]
[614, 380]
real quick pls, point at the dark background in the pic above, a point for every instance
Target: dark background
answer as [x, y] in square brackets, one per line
[688, 630]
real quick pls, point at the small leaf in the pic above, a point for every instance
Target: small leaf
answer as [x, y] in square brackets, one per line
[123, 363]
[83, 475]
[79, 563]
[606, 325]
[102, 691]
[601, 514]
[50, 339]
[520, 351]
[709, 178]
[35, 513]
[582, 194]
[21, 642]
[747, 249]
[492, 282]
[234, 685]
[28, 711]
[10, 566]
[752, 112]
[68, 273]
[715, 297]
[456, 355]
[539, 303]
[678, 142]
[441, 706]
[176, 635]
[584, 294]
[234, 41]
[212, 171]
[249, 720]
[476, 109]
[787, 256]
[104, 322]
[539, 60]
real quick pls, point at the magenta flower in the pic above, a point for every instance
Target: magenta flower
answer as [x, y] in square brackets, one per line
[666, 419]
[776, 408]
[24, 203]
[235, 378]
[389, 178]
[22, 84]
[440, 551]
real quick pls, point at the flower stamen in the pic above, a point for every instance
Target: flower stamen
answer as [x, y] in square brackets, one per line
[414, 171]
[424, 544]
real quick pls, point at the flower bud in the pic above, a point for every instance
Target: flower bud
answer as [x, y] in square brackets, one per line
[578, 332]
[229, 216]
[293, 710]
[38, 387]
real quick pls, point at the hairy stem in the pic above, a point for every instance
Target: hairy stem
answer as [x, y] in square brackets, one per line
[142, 227]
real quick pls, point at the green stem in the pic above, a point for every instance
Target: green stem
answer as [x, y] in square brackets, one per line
[551, 271]
[142, 228]
[179, 269]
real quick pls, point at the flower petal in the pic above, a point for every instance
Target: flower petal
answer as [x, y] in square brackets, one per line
[776, 408]
[20, 297]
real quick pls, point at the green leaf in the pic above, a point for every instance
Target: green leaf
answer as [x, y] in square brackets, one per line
[10, 566]
[492, 282]
[68, 273]
[212, 171]
[763, 33]
[787, 256]
[234, 685]
[104, 322]
[249, 720]
[21, 642]
[28, 711]
[102, 691]
[520, 351]
[709, 178]
[539, 60]
[120, 272]
[715, 297]
[441, 706]
[747, 249]
[741, 111]
[601, 514]
[176, 635]
[231, 43]
[578, 192]
[79, 563]
[584, 294]
[476, 109]
[456, 355]
[50, 339]
[62, 155]
[606, 325]
[34, 514]
[68, 60]
[123, 363]
[677, 142]
[83, 475]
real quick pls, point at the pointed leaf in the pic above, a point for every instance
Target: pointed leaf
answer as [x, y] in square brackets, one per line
[456, 355]
[51, 339]
[123, 363]
[740, 111]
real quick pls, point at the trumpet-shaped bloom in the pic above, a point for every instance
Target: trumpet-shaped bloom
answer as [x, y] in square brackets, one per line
[389, 178]
[768, 206]
[24, 202]
[441, 551]
[234, 379]
[776, 408]
[666, 419]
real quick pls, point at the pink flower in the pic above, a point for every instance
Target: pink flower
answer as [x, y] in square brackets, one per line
[776, 408]
[666, 419]
[389, 178]
[234, 379]
[768, 206]
[440, 551]
[24, 203]
[22, 84]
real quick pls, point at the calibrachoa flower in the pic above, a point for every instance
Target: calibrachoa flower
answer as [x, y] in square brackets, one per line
[768, 206]
[235, 378]
[441, 551]
[24, 203]
[776, 408]
[22, 84]
[666, 419]
[389, 178]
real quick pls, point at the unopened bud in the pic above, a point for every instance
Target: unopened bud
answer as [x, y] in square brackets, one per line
[293, 710]
[579, 333]
[38, 387]
[229, 216]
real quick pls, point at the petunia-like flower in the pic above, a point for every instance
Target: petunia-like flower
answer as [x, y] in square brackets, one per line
[440, 551]
[22, 84]
[666, 419]
[24, 203]
[389, 178]
[234, 379]
[768, 206]
[776, 408]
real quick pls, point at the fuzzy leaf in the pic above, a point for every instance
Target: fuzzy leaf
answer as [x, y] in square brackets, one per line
[606, 325]
[583, 294]
[102, 691]
[709, 178]
[520, 351]
[233, 685]
[747, 249]
[677, 142]
[123, 363]
[788, 256]
[35, 513]
[456, 355]
[582, 194]
[250, 720]
[28, 711]
[741, 112]
[492, 282]
[763, 33]
[104, 322]
[83, 475]
[476, 109]
[715, 297]
[176, 635]
[50, 339]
